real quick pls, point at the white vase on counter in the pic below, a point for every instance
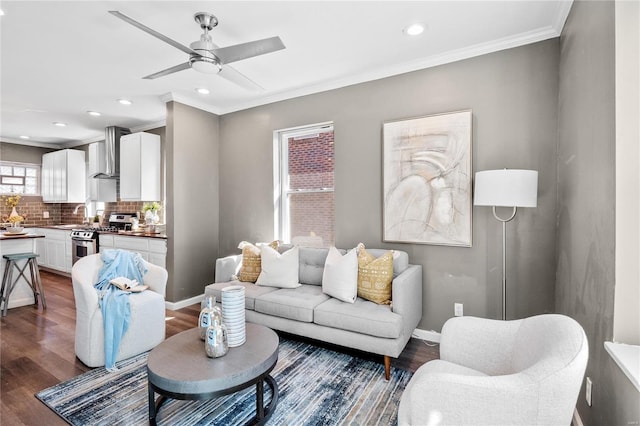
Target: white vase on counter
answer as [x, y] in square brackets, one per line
[14, 212]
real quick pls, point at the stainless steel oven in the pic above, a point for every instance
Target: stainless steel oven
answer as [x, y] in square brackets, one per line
[83, 243]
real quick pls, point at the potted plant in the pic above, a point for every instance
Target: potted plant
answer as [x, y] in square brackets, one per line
[150, 211]
[12, 201]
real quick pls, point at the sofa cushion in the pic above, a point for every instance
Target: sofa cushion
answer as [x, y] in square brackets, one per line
[279, 269]
[361, 317]
[340, 277]
[375, 276]
[292, 303]
[251, 292]
[312, 262]
[251, 262]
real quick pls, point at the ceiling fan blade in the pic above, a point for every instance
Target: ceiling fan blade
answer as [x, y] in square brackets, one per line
[250, 49]
[233, 75]
[171, 70]
[148, 30]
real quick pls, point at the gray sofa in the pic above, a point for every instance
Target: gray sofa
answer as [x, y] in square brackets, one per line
[307, 311]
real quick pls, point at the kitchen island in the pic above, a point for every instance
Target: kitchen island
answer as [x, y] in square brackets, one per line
[22, 294]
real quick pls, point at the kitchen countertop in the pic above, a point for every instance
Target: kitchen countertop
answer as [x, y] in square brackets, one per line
[4, 236]
[139, 233]
[135, 234]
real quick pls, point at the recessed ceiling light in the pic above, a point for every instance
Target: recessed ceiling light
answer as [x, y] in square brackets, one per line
[24, 137]
[125, 101]
[202, 90]
[59, 124]
[94, 113]
[414, 29]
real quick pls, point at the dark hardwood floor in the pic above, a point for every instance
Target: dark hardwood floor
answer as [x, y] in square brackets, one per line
[37, 351]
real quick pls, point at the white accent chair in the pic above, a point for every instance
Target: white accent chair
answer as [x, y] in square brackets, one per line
[147, 325]
[491, 372]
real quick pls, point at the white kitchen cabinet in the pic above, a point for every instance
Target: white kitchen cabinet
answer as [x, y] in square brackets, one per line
[63, 177]
[54, 249]
[153, 250]
[99, 189]
[140, 167]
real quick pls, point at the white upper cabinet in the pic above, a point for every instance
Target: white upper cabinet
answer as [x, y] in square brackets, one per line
[140, 167]
[63, 177]
[99, 189]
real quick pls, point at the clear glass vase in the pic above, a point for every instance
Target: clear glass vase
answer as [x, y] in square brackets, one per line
[209, 314]
[216, 343]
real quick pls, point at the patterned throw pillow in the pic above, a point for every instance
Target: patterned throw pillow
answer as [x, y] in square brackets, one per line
[375, 276]
[251, 262]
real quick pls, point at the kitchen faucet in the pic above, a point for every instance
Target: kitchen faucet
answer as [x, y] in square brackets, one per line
[75, 211]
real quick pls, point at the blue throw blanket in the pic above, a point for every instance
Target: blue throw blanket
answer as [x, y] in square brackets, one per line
[114, 303]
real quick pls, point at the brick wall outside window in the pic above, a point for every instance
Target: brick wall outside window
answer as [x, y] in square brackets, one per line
[311, 165]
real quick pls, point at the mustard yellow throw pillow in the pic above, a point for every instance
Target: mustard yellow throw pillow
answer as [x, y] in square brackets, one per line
[251, 261]
[375, 276]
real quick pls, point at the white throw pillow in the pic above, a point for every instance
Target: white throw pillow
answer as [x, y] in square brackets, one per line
[279, 270]
[340, 276]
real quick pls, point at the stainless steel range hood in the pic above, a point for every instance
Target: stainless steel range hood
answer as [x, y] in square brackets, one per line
[111, 167]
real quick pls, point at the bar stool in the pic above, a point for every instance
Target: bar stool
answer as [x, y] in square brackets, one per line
[8, 284]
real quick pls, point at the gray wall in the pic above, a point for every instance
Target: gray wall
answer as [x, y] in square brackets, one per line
[191, 160]
[513, 95]
[22, 153]
[586, 203]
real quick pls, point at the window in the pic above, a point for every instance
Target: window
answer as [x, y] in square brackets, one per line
[304, 200]
[19, 178]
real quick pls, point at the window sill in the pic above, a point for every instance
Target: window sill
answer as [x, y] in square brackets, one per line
[628, 359]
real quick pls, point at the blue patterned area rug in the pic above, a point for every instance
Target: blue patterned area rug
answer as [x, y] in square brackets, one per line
[317, 386]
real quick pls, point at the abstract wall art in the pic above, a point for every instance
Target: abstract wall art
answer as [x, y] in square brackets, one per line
[427, 180]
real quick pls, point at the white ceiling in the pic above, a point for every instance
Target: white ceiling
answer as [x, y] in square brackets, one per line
[60, 59]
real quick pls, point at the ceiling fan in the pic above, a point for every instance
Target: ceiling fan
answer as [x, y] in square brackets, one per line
[205, 56]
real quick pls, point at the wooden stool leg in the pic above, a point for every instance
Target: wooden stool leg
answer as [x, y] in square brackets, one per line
[35, 272]
[5, 279]
[32, 284]
[9, 287]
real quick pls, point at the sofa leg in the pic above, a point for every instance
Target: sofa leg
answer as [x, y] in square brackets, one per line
[387, 367]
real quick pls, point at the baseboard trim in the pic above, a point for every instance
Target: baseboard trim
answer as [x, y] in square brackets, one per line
[576, 421]
[430, 335]
[174, 306]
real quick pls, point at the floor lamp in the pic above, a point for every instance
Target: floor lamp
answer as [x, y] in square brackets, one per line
[506, 188]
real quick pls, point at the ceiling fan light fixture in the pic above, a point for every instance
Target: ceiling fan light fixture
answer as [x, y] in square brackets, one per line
[205, 65]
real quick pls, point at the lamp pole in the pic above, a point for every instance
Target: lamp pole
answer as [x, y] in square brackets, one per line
[506, 188]
[504, 256]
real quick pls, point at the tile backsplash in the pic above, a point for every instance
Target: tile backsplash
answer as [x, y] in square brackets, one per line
[33, 209]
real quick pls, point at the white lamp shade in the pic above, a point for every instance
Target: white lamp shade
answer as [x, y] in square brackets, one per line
[506, 188]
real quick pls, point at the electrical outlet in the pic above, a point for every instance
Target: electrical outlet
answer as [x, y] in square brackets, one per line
[45, 215]
[457, 309]
[588, 389]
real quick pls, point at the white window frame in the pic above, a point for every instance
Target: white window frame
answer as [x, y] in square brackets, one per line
[38, 169]
[281, 188]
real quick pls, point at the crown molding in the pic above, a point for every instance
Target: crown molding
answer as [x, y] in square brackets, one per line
[420, 64]
[175, 97]
[52, 145]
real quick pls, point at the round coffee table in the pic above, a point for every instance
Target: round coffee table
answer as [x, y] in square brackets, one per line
[179, 368]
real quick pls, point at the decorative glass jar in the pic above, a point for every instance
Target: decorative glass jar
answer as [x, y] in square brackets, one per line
[216, 343]
[209, 314]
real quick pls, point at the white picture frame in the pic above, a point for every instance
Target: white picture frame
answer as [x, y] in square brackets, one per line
[427, 180]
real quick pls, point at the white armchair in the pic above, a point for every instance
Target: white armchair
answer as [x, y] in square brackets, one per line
[490, 372]
[147, 325]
